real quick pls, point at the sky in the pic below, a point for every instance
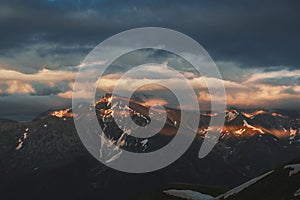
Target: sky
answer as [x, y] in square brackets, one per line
[255, 45]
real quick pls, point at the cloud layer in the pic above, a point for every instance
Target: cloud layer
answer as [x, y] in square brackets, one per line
[256, 90]
[255, 45]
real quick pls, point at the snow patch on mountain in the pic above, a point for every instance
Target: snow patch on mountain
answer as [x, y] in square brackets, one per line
[295, 168]
[22, 139]
[243, 186]
[231, 115]
[144, 142]
[252, 127]
[188, 194]
[297, 193]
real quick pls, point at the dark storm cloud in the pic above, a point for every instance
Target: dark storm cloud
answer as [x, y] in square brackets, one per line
[46, 90]
[289, 90]
[41, 89]
[143, 56]
[251, 33]
[288, 81]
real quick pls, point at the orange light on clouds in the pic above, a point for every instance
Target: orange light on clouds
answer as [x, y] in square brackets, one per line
[152, 102]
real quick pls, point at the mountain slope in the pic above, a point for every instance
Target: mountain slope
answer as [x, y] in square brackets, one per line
[47, 151]
[280, 184]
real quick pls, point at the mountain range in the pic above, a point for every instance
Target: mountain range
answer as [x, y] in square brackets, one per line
[45, 158]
